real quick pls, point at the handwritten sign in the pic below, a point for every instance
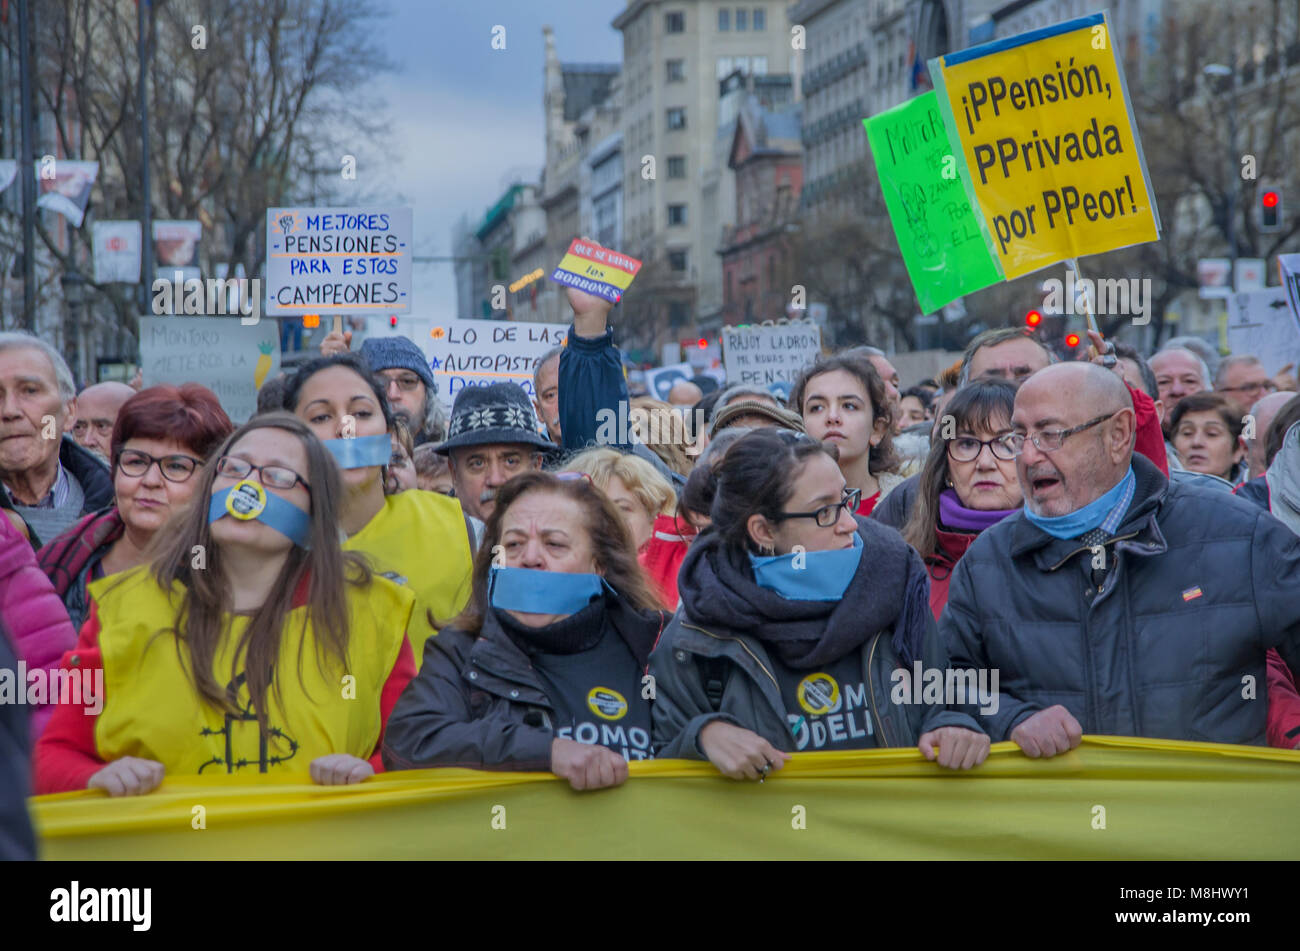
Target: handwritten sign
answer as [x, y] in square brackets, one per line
[924, 186]
[230, 358]
[1260, 324]
[1044, 124]
[338, 260]
[761, 355]
[596, 270]
[465, 353]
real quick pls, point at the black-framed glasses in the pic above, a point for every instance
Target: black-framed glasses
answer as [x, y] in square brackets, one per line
[274, 477]
[174, 468]
[1050, 440]
[1263, 386]
[968, 448]
[828, 515]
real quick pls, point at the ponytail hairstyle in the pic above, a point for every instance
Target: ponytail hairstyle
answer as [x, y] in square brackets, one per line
[203, 616]
[756, 477]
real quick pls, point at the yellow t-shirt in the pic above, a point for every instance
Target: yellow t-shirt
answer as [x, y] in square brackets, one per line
[151, 709]
[418, 539]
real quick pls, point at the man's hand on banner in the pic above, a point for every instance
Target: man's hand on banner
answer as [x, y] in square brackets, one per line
[587, 766]
[1048, 732]
[958, 747]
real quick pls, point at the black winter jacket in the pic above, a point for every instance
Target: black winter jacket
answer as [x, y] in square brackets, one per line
[1201, 584]
[478, 703]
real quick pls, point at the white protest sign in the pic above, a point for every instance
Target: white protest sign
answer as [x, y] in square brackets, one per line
[660, 380]
[338, 260]
[1250, 275]
[763, 354]
[117, 251]
[230, 358]
[465, 353]
[1260, 324]
[1288, 271]
[1214, 276]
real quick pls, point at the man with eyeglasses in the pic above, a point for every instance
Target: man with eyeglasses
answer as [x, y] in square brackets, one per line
[97, 409]
[1243, 380]
[1115, 602]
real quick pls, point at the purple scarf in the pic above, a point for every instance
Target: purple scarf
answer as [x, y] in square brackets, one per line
[952, 514]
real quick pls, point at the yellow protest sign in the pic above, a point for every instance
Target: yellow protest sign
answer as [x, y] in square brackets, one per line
[1112, 798]
[1044, 124]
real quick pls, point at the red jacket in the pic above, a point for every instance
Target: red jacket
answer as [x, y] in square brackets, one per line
[940, 565]
[34, 616]
[1150, 440]
[663, 554]
[66, 756]
[1283, 705]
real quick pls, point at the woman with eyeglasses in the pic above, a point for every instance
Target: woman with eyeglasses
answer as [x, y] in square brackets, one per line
[968, 482]
[250, 644]
[162, 436]
[418, 539]
[800, 625]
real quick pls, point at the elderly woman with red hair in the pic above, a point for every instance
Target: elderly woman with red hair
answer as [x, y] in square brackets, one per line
[162, 436]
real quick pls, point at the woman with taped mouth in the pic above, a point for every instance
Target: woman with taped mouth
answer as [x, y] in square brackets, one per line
[251, 643]
[418, 539]
[545, 669]
[800, 625]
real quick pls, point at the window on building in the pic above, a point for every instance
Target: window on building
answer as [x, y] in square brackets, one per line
[676, 70]
[677, 118]
[677, 260]
[674, 22]
[724, 20]
[760, 19]
[741, 63]
[758, 65]
[678, 313]
[724, 66]
[677, 166]
[742, 19]
[676, 215]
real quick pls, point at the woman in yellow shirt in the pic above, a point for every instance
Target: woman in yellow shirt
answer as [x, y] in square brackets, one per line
[418, 539]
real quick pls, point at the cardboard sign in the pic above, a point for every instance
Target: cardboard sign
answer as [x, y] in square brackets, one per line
[660, 380]
[1260, 324]
[465, 353]
[117, 251]
[596, 270]
[760, 355]
[1044, 124]
[230, 358]
[338, 260]
[922, 182]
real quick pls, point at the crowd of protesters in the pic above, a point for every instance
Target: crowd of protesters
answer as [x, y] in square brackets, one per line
[355, 581]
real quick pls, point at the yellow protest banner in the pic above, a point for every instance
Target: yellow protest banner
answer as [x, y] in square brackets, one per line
[1112, 798]
[1045, 126]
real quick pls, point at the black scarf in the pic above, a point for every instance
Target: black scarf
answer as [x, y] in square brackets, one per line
[888, 592]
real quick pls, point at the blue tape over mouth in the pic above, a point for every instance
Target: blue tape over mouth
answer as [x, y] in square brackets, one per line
[285, 517]
[359, 452]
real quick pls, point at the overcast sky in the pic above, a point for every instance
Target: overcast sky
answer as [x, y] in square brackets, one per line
[465, 116]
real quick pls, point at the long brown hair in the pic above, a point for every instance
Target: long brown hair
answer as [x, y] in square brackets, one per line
[611, 544]
[203, 617]
[980, 404]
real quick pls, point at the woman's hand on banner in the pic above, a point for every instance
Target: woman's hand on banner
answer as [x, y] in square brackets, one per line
[587, 766]
[739, 753]
[957, 747]
[128, 776]
[340, 769]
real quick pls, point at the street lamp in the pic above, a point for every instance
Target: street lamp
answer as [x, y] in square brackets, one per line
[1226, 74]
[74, 295]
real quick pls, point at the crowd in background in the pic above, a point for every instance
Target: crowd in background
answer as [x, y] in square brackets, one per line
[354, 580]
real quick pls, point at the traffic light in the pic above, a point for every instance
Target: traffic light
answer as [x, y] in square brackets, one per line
[1033, 319]
[1270, 209]
[392, 321]
[311, 320]
[703, 344]
[1071, 340]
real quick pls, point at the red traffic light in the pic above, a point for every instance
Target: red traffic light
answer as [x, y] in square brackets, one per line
[703, 344]
[1072, 340]
[1269, 199]
[392, 321]
[1033, 319]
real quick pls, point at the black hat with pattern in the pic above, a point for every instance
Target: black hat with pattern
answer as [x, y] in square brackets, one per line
[499, 413]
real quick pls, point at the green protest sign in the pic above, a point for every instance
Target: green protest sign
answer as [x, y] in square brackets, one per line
[945, 251]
